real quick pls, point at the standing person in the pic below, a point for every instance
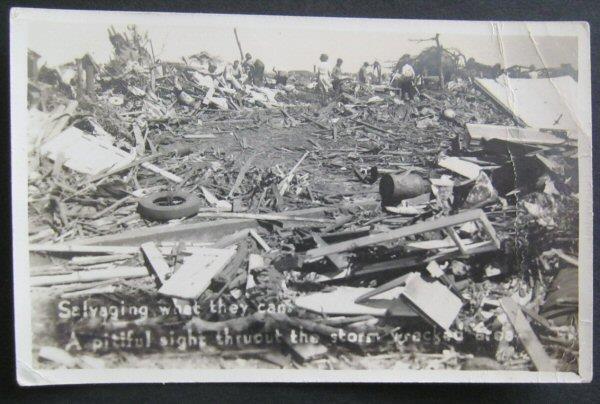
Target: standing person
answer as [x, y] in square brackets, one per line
[324, 77]
[336, 75]
[255, 69]
[361, 79]
[362, 73]
[408, 81]
[405, 78]
[377, 72]
[236, 70]
[232, 73]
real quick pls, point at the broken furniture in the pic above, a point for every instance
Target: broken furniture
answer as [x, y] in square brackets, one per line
[446, 224]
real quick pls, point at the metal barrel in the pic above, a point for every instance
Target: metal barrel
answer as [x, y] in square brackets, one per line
[393, 188]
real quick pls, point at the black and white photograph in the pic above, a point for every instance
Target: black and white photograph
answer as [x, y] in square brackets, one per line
[211, 197]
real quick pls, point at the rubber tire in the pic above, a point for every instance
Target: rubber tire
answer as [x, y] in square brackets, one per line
[149, 209]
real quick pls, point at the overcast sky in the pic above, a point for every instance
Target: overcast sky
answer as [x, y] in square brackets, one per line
[293, 43]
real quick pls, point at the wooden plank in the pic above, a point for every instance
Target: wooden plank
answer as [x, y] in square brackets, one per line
[196, 273]
[232, 269]
[436, 244]
[260, 240]
[512, 134]
[231, 239]
[285, 183]
[83, 249]
[255, 261]
[156, 261]
[464, 168]
[100, 259]
[199, 136]
[339, 261]
[240, 177]
[265, 216]
[101, 249]
[134, 163]
[422, 227]
[90, 276]
[441, 310]
[168, 175]
[400, 281]
[368, 125]
[530, 341]
[341, 301]
[192, 232]
[454, 236]
[161, 270]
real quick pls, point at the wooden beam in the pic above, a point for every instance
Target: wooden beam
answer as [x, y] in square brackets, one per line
[265, 216]
[90, 276]
[459, 243]
[530, 341]
[98, 259]
[240, 177]
[422, 227]
[339, 261]
[83, 249]
[237, 40]
[156, 261]
[260, 240]
[191, 232]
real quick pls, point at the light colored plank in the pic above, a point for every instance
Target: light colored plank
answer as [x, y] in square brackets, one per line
[265, 216]
[156, 260]
[260, 240]
[99, 259]
[90, 276]
[341, 301]
[530, 341]
[338, 260]
[168, 175]
[464, 168]
[379, 238]
[196, 273]
[512, 134]
[433, 300]
[85, 249]
[196, 136]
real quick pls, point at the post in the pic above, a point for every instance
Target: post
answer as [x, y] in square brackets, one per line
[153, 70]
[80, 79]
[238, 44]
[441, 56]
[90, 79]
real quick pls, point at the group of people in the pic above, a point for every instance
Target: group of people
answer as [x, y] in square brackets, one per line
[329, 80]
[402, 79]
[249, 71]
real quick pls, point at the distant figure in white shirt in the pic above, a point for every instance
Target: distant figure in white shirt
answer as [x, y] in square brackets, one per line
[324, 77]
[405, 78]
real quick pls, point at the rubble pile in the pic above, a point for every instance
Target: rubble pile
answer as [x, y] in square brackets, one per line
[366, 232]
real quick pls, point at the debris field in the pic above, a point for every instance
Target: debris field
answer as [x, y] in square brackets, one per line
[176, 221]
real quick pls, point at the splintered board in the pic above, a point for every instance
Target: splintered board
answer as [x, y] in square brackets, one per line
[464, 168]
[527, 336]
[85, 153]
[433, 300]
[196, 272]
[341, 302]
[512, 134]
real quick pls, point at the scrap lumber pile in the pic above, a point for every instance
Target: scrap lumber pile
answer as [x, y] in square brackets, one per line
[368, 232]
